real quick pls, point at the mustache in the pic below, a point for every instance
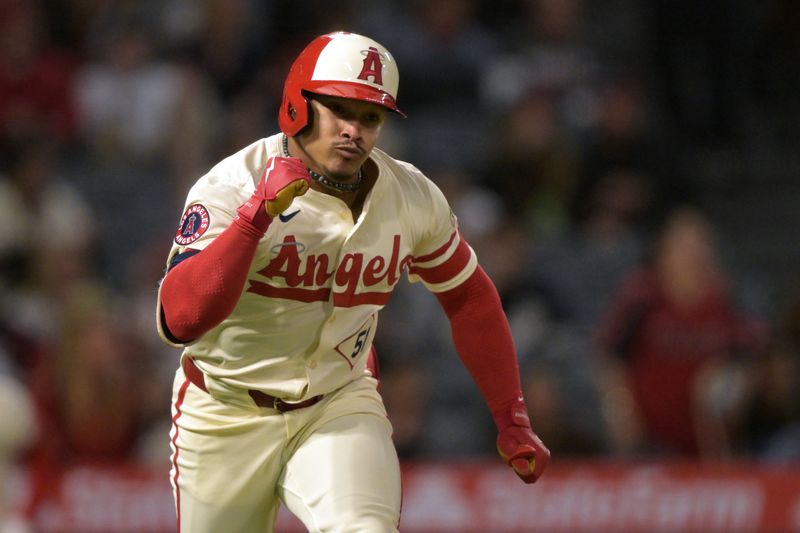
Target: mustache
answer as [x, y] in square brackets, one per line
[350, 146]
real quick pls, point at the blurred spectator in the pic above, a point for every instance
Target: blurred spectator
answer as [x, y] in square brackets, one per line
[230, 42]
[155, 361]
[226, 57]
[93, 379]
[673, 331]
[405, 391]
[87, 391]
[560, 381]
[79, 380]
[773, 417]
[628, 137]
[532, 165]
[127, 96]
[35, 77]
[47, 229]
[46, 248]
[143, 121]
[18, 423]
[549, 53]
[623, 134]
[582, 265]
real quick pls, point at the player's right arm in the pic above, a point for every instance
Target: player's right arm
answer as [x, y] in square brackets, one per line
[201, 288]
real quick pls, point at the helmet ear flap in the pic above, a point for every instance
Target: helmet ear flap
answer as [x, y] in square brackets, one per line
[308, 121]
[294, 114]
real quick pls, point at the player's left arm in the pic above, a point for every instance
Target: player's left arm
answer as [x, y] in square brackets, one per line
[448, 267]
[482, 337]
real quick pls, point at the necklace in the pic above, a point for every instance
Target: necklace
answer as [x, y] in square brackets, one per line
[322, 180]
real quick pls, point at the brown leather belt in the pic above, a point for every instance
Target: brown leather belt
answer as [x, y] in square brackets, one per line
[262, 399]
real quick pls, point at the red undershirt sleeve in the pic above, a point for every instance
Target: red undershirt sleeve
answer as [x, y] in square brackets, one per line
[201, 291]
[483, 340]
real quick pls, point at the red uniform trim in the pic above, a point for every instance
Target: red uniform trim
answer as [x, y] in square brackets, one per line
[436, 253]
[447, 270]
[340, 299]
[178, 413]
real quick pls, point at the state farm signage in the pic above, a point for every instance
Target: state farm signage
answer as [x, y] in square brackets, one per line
[476, 497]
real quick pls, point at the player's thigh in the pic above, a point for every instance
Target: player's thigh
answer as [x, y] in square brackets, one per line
[225, 464]
[345, 475]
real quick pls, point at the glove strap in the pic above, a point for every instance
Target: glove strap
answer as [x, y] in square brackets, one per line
[253, 210]
[515, 414]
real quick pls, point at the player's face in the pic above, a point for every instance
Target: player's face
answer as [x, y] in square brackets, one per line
[344, 133]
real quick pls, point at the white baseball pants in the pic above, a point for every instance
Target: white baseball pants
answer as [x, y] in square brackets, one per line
[332, 464]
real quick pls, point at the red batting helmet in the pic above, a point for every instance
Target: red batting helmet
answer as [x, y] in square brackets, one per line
[338, 64]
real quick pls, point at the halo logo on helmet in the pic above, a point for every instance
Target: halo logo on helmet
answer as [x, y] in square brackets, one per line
[372, 66]
[340, 64]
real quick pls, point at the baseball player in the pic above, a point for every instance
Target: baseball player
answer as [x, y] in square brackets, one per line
[285, 254]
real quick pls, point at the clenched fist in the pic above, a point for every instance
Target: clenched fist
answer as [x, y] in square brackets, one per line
[518, 445]
[284, 179]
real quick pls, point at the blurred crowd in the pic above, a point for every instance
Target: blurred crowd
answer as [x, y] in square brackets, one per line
[568, 135]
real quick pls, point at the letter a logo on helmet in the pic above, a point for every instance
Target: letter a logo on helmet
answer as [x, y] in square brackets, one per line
[340, 64]
[372, 66]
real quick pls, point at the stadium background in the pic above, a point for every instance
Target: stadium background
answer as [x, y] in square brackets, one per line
[565, 132]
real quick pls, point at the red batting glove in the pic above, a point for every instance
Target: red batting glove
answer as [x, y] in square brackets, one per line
[282, 180]
[518, 445]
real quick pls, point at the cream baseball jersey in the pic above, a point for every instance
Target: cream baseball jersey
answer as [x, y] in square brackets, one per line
[305, 321]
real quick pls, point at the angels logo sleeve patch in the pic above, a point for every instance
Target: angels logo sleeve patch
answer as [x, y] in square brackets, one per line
[194, 223]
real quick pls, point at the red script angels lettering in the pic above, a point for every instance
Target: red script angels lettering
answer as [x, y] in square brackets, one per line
[306, 277]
